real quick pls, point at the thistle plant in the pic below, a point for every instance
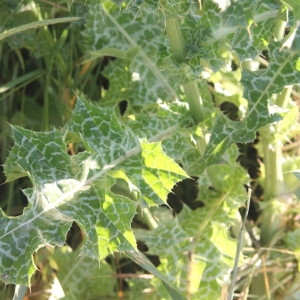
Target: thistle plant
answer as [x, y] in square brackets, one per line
[174, 64]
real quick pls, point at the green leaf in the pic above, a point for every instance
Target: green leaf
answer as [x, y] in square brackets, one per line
[141, 76]
[294, 5]
[78, 188]
[80, 276]
[20, 80]
[244, 29]
[259, 87]
[198, 254]
[140, 259]
[194, 257]
[296, 173]
[291, 239]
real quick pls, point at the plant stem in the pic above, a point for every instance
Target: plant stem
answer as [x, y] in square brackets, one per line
[195, 101]
[272, 152]
[178, 50]
[273, 223]
[176, 38]
[274, 187]
[147, 217]
[190, 88]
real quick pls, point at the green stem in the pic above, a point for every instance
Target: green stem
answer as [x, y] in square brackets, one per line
[273, 158]
[273, 214]
[273, 223]
[191, 89]
[195, 101]
[272, 217]
[147, 218]
[272, 153]
[176, 38]
[144, 215]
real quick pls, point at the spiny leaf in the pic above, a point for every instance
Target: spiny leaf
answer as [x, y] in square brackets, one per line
[80, 276]
[124, 31]
[199, 252]
[193, 257]
[244, 28]
[79, 189]
[38, 152]
[259, 86]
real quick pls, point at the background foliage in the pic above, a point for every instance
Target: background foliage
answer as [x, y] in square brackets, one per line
[136, 127]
